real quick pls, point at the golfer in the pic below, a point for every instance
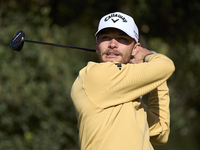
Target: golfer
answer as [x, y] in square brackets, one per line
[108, 95]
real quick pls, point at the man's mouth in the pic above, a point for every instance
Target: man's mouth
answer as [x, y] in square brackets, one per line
[112, 54]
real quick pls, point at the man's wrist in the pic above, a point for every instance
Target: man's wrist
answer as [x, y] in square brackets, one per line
[146, 56]
[151, 52]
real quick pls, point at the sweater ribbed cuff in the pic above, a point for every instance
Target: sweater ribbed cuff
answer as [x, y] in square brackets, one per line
[144, 60]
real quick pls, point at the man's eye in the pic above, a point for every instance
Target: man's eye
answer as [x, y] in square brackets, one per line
[122, 38]
[105, 37]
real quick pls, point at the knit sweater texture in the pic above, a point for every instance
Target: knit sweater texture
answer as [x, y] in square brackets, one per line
[110, 112]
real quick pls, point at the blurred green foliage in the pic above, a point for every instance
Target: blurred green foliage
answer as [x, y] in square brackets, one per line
[36, 111]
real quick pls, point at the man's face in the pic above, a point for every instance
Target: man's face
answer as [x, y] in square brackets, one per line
[113, 45]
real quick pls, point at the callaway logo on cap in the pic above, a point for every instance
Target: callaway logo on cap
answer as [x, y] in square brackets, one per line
[119, 21]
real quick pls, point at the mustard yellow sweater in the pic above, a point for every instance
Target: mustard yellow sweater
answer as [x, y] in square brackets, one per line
[110, 112]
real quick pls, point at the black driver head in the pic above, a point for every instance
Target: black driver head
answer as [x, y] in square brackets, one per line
[17, 42]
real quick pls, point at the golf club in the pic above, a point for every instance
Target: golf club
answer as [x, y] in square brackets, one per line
[17, 42]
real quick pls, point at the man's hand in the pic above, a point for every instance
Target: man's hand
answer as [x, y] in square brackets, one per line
[139, 53]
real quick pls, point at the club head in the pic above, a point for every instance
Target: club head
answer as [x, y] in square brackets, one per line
[17, 42]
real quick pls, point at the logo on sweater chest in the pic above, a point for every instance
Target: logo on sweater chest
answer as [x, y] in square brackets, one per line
[119, 65]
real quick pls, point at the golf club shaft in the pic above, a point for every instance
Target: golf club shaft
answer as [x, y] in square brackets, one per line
[59, 45]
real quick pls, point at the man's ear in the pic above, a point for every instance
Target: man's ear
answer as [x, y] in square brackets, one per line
[136, 49]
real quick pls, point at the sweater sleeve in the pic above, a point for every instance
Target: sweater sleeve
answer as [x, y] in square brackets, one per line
[158, 115]
[109, 84]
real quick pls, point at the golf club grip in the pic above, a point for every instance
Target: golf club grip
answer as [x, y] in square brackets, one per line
[60, 45]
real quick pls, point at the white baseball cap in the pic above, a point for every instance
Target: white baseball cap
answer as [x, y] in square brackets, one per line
[119, 21]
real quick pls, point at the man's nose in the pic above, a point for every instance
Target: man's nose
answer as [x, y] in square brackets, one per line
[113, 43]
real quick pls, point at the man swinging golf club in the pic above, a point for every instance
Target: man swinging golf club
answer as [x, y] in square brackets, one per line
[107, 95]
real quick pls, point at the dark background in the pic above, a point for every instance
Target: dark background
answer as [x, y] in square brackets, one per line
[36, 112]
